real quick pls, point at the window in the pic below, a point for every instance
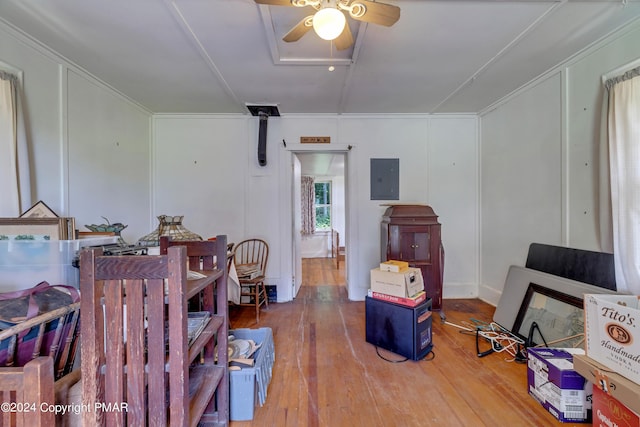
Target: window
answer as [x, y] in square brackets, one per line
[323, 205]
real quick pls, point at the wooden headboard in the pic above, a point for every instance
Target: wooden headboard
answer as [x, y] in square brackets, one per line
[337, 250]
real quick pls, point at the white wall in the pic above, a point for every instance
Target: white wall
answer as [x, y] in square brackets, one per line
[109, 158]
[453, 192]
[41, 77]
[200, 171]
[221, 189]
[539, 161]
[89, 145]
[317, 245]
[338, 208]
[521, 180]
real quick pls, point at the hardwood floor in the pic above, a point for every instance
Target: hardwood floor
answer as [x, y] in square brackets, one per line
[326, 374]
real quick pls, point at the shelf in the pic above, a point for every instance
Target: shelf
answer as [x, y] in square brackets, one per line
[156, 295]
[196, 285]
[203, 382]
[205, 336]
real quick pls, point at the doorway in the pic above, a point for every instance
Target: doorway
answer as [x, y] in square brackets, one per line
[314, 256]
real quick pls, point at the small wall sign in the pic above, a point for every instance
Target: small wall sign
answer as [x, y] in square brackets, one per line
[315, 140]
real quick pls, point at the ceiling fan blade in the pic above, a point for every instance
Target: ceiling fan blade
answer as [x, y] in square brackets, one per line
[377, 13]
[345, 39]
[275, 2]
[299, 30]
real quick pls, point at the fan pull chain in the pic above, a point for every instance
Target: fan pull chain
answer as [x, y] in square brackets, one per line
[331, 67]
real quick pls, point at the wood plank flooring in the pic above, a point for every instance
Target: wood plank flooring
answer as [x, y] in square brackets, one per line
[326, 374]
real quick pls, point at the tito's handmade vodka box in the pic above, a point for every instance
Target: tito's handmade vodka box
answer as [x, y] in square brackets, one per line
[612, 334]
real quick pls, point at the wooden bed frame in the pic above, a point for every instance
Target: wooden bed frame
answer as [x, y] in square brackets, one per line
[337, 251]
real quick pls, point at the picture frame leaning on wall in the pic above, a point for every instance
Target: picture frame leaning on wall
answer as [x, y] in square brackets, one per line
[549, 317]
[33, 228]
[39, 210]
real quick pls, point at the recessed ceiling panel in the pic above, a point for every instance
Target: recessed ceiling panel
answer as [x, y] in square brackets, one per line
[310, 47]
[248, 67]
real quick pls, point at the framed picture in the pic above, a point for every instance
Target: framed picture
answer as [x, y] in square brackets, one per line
[33, 228]
[39, 210]
[70, 228]
[547, 316]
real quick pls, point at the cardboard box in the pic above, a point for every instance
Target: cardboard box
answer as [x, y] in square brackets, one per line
[404, 284]
[612, 335]
[394, 266]
[554, 383]
[408, 302]
[609, 412]
[622, 389]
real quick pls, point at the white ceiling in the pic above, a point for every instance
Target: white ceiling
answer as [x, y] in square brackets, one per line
[214, 56]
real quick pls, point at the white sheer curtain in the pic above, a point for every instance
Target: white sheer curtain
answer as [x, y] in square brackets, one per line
[308, 205]
[15, 187]
[623, 133]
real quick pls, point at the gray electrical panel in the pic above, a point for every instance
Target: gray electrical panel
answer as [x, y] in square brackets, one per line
[385, 179]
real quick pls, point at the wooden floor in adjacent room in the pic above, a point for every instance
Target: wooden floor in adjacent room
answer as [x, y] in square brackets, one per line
[326, 374]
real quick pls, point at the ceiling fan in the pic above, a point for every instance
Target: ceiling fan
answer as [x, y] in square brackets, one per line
[329, 20]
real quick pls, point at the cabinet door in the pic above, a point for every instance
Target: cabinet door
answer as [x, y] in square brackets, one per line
[414, 244]
[419, 245]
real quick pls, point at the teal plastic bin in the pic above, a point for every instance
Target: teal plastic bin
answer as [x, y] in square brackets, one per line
[248, 386]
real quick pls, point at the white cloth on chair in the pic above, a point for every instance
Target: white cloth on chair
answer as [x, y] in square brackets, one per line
[233, 285]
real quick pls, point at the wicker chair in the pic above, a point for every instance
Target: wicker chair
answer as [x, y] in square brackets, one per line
[250, 257]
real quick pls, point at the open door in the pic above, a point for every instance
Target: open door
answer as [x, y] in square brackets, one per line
[297, 225]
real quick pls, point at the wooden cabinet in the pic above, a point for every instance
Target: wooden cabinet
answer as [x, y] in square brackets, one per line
[412, 233]
[140, 364]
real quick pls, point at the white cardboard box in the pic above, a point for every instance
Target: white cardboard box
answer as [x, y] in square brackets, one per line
[612, 334]
[404, 284]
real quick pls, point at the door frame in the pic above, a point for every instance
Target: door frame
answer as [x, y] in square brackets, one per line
[288, 259]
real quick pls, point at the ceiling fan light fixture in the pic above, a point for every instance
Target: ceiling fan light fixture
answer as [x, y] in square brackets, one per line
[329, 23]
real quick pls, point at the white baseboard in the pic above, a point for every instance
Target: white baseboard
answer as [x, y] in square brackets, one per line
[489, 295]
[459, 290]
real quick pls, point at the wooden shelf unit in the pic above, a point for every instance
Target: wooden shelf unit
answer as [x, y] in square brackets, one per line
[127, 303]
